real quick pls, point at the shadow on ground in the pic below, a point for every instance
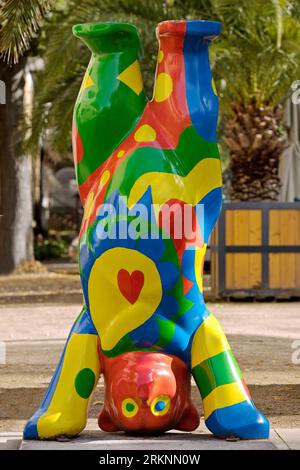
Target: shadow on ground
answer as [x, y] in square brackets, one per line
[265, 361]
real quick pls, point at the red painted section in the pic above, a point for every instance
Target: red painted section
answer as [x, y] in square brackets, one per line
[187, 285]
[168, 118]
[77, 145]
[130, 285]
[183, 228]
[246, 388]
[142, 377]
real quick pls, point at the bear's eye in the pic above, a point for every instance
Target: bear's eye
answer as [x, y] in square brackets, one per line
[129, 407]
[160, 405]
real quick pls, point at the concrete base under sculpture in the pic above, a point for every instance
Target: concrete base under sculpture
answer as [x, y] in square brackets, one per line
[173, 440]
[93, 439]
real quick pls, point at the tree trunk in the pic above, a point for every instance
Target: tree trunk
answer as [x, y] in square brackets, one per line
[16, 235]
[256, 140]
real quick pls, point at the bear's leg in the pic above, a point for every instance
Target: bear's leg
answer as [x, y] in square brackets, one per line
[228, 407]
[63, 410]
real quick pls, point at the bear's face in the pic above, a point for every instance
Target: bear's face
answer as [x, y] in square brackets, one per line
[147, 393]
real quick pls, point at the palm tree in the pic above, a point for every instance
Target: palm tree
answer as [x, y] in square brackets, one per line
[255, 61]
[58, 84]
[19, 23]
[259, 58]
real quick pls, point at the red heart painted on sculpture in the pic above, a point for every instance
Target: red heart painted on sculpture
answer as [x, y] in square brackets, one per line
[130, 285]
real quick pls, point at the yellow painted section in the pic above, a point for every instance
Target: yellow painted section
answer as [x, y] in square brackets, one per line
[160, 56]
[284, 268]
[132, 77]
[222, 396]
[121, 153]
[243, 270]
[105, 178]
[284, 227]
[199, 255]
[133, 412]
[202, 179]
[166, 400]
[86, 83]
[213, 85]
[88, 207]
[112, 314]
[145, 133]
[163, 87]
[243, 227]
[208, 341]
[67, 413]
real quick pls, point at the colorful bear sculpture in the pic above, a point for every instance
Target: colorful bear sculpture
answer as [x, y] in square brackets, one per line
[141, 166]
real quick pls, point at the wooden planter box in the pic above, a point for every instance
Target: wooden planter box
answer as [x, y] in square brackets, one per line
[255, 250]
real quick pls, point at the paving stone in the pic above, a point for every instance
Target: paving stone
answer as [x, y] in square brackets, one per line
[291, 437]
[170, 441]
[10, 440]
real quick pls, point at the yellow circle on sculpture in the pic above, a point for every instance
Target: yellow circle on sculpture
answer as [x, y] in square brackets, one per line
[160, 57]
[121, 153]
[160, 405]
[214, 87]
[88, 207]
[163, 87]
[145, 133]
[129, 407]
[105, 177]
[115, 309]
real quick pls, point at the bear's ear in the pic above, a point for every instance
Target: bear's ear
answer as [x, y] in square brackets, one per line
[190, 419]
[105, 422]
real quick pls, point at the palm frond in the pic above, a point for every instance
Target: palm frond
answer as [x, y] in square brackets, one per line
[19, 21]
[66, 59]
[257, 54]
[261, 56]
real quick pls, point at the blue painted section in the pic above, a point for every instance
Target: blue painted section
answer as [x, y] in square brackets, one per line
[203, 28]
[201, 99]
[212, 204]
[191, 306]
[83, 325]
[86, 261]
[179, 345]
[168, 307]
[146, 335]
[169, 274]
[242, 420]
[197, 313]
[160, 406]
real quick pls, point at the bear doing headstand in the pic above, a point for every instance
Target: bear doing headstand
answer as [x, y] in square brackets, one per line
[144, 324]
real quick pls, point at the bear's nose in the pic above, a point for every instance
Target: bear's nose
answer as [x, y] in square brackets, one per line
[144, 391]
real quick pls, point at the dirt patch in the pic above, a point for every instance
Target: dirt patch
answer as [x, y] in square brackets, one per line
[40, 287]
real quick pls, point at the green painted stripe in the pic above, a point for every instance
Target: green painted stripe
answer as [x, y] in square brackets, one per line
[107, 110]
[166, 332]
[190, 150]
[218, 370]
